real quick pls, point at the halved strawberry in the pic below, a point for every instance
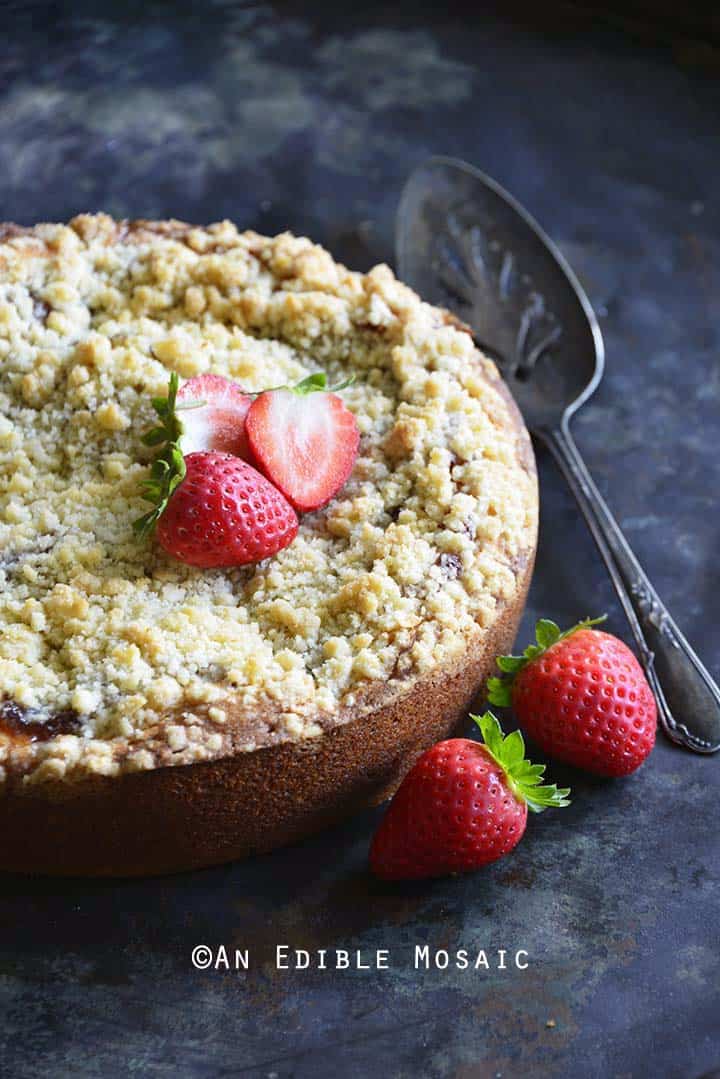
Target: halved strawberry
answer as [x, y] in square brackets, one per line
[305, 441]
[212, 413]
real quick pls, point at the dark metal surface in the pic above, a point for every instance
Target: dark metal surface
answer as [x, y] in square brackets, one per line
[465, 243]
[313, 120]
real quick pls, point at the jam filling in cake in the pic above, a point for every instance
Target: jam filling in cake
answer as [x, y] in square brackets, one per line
[113, 656]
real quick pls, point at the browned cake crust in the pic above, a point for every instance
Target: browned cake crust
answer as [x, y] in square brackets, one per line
[116, 805]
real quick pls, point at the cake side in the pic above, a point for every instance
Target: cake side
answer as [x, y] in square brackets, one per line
[113, 658]
[172, 819]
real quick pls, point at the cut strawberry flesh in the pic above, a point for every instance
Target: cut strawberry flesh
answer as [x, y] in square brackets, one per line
[218, 423]
[306, 444]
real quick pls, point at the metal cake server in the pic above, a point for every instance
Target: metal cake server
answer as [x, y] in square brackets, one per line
[464, 243]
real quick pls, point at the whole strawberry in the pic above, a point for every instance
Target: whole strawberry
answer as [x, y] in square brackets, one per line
[582, 697]
[462, 805]
[224, 513]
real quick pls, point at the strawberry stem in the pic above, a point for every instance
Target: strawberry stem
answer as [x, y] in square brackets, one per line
[316, 383]
[168, 468]
[523, 778]
[547, 634]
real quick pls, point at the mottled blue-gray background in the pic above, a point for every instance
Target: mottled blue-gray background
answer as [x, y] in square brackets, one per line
[310, 117]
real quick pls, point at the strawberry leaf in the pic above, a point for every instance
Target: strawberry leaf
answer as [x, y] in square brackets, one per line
[547, 633]
[523, 778]
[154, 437]
[499, 692]
[318, 383]
[168, 468]
[510, 664]
[349, 381]
[491, 731]
[513, 750]
[311, 384]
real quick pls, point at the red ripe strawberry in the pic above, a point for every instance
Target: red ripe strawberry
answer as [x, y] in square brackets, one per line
[462, 805]
[305, 440]
[582, 696]
[210, 508]
[224, 513]
[213, 412]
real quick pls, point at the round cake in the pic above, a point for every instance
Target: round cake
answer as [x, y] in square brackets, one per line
[155, 716]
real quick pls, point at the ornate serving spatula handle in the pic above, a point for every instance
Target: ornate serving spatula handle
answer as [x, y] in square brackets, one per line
[688, 698]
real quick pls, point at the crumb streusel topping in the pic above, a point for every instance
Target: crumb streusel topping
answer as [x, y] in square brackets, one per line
[130, 660]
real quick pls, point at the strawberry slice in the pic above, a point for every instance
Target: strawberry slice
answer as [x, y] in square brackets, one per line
[304, 440]
[212, 413]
